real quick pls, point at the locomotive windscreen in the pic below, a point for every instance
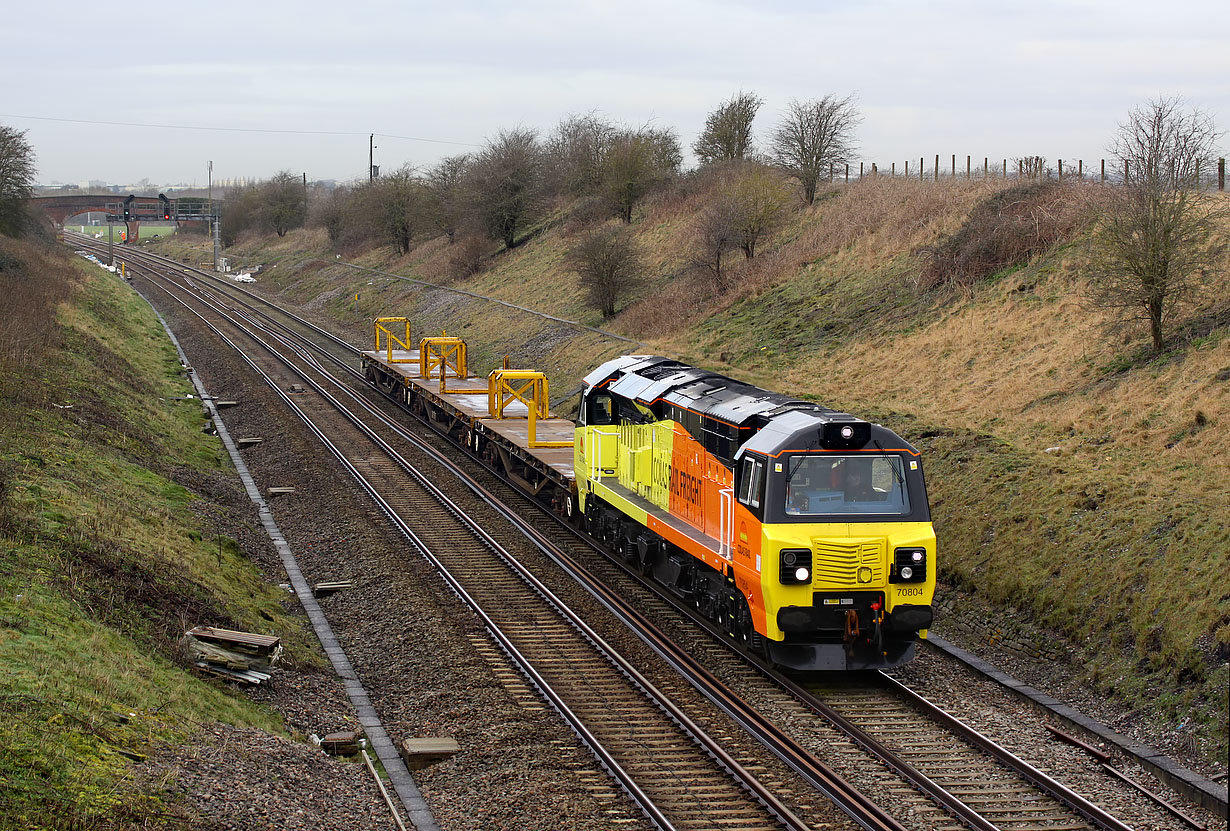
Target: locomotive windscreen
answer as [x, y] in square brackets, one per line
[820, 485]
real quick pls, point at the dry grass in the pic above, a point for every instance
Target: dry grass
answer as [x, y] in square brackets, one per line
[883, 213]
[28, 301]
[1006, 230]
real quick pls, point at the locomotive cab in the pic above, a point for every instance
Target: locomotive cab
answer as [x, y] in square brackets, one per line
[846, 545]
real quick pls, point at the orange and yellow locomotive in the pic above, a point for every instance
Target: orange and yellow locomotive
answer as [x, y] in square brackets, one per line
[805, 532]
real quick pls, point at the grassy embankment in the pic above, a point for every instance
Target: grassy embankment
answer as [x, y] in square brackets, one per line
[109, 549]
[1075, 480]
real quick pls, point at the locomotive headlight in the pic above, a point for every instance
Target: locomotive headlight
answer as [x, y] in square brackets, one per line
[795, 566]
[847, 432]
[909, 565]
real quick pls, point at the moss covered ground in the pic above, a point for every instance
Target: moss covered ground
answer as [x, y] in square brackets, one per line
[106, 555]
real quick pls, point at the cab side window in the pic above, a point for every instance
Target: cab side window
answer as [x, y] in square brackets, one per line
[751, 484]
[601, 409]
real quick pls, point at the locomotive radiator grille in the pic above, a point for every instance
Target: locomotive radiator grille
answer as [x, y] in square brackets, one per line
[858, 563]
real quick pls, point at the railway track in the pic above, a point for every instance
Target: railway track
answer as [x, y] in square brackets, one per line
[965, 785]
[681, 777]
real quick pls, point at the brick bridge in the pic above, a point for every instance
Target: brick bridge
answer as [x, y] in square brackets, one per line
[140, 208]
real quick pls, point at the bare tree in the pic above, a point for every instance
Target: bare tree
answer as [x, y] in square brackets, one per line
[397, 207]
[1032, 167]
[636, 162]
[445, 183]
[1156, 237]
[728, 130]
[575, 153]
[610, 265]
[283, 202]
[714, 235]
[241, 211]
[328, 211]
[812, 137]
[16, 180]
[746, 202]
[760, 201]
[506, 184]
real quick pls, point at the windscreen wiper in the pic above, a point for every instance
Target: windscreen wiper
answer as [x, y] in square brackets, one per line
[792, 467]
[891, 464]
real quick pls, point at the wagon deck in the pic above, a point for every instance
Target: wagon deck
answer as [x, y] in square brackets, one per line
[466, 401]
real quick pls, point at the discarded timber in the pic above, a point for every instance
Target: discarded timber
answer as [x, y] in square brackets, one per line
[421, 752]
[237, 656]
[342, 743]
[326, 589]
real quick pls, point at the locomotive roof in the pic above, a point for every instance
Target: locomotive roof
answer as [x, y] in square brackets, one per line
[648, 378]
[786, 423]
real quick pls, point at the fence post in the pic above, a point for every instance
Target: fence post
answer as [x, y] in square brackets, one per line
[967, 167]
[1019, 163]
[1061, 170]
[984, 167]
[1005, 168]
[860, 170]
[847, 173]
[937, 167]
[1221, 173]
[1103, 171]
[954, 165]
[1080, 169]
[1125, 171]
[921, 168]
[894, 172]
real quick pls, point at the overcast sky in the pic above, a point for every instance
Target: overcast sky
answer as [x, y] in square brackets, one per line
[971, 77]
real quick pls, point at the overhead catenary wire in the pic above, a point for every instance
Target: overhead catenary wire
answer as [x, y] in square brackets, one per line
[273, 130]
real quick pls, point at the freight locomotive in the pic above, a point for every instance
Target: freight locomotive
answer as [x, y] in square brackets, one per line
[804, 532]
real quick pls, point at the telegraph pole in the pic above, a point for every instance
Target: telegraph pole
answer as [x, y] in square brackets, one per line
[371, 157]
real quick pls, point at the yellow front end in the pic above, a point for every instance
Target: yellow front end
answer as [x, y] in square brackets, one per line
[846, 558]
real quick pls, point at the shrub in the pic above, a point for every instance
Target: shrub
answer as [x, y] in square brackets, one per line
[466, 256]
[610, 265]
[1007, 229]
